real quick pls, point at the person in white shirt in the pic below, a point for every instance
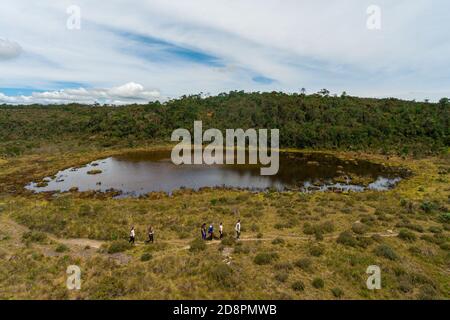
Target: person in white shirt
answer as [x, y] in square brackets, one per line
[221, 230]
[238, 229]
[132, 235]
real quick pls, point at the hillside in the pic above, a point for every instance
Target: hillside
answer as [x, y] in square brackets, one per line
[305, 121]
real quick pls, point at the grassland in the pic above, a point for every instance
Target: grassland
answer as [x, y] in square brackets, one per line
[294, 245]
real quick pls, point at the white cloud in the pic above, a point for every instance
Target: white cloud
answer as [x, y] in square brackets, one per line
[9, 49]
[127, 93]
[311, 44]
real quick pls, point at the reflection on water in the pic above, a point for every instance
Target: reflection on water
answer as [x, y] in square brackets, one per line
[139, 173]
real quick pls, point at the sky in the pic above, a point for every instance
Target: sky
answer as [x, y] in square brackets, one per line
[136, 51]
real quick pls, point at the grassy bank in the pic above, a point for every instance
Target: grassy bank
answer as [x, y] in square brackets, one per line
[294, 245]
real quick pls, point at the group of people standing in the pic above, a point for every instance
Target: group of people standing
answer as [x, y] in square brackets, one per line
[208, 234]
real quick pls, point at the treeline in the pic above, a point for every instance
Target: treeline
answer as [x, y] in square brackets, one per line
[305, 121]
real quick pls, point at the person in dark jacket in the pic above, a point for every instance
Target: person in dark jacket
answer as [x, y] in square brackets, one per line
[203, 230]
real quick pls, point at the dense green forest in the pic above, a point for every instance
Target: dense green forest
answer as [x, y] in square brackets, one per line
[305, 121]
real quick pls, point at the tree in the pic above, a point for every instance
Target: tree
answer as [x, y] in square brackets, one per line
[443, 102]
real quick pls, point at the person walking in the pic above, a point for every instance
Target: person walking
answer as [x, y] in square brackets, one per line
[238, 229]
[150, 235]
[221, 230]
[132, 236]
[211, 232]
[203, 230]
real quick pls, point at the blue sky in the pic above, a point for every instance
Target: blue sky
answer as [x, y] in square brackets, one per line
[136, 51]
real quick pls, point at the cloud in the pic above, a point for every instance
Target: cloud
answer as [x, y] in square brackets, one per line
[9, 49]
[125, 94]
[192, 46]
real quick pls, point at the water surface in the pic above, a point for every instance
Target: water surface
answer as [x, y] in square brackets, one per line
[138, 173]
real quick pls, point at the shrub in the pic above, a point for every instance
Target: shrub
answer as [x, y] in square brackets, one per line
[359, 228]
[386, 252]
[434, 229]
[427, 292]
[109, 287]
[259, 235]
[364, 242]
[278, 241]
[265, 258]
[427, 206]
[377, 238]
[62, 248]
[119, 246]
[197, 245]
[407, 235]
[304, 264]
[146, 257]
[34, 236]
[318, 283]
[298, 286]
[222, 274]
[404, 284]
[281, 276]
[337, 292]
[346, 238]
[318, 235]
[445, 217]
[316, 251]
[228, 241]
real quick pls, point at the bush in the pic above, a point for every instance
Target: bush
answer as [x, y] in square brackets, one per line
[377, 238]
[278, 241]
[222, 274]
[146, 257]
[119, 246]
[304, 264]
[316, 251]
[298, 286]
[386, 252]
[359, 228]
[445, 217]
[427, 206]
[347, 239]
[265, 258]
[197, 245]
[434, 229]
[109, 287]
[34, 236]
[281, 277]
[318, 283]
[337, 292]
[427, 292]
[228, 241]
[62, 248]
[407, 235]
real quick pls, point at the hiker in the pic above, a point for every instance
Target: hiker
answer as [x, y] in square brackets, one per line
[211, 231]
[221, 230]
[150, 235]
[238, 229]
[203, 230]
[132, 236]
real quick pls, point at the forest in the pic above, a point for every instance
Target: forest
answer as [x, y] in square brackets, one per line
[317, 121]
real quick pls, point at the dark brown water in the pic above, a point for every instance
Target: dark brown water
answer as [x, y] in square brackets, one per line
[139, 173]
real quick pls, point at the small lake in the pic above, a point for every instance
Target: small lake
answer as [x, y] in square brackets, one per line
[139, 173]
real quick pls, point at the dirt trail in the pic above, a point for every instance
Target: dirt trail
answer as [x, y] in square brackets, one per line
[15, 231]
